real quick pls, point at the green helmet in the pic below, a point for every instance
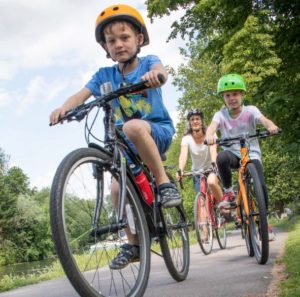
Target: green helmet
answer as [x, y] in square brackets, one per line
[231, 81]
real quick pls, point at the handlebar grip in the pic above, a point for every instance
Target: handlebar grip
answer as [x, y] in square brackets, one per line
[180, 178]
[161, 78]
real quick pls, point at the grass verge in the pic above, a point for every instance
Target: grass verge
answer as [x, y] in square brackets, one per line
[291, 259]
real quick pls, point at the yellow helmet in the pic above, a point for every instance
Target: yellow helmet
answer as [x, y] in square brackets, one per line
[120, 12]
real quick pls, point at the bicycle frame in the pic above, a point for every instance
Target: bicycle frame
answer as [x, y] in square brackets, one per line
[116, 145]
[204, 190]
[242, 196]
[209, 199]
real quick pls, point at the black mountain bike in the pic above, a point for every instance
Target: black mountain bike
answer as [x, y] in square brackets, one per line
[88, 228]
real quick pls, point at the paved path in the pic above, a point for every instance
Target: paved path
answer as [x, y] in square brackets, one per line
[224, 273]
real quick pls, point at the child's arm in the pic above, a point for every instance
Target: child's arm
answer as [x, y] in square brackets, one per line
[213, 153]
[73, 101]
[211, 136]
[182, 159]
[268, 124]
[151, 75]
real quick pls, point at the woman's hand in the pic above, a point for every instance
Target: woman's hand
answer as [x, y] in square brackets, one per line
[179, 175]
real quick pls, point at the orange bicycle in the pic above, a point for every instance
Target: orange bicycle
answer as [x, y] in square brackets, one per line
[251, 208]
[207, 217]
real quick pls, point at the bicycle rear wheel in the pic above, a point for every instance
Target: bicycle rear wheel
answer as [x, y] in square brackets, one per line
[85, 231]
[258, 222]
[203, 224]
[174, 243]
[221, 229]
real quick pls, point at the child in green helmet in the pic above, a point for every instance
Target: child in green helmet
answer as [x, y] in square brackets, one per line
[233, 120]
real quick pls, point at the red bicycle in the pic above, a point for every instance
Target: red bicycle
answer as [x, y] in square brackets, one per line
[207, 217]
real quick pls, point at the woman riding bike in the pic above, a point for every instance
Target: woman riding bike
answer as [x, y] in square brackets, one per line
[202, 156]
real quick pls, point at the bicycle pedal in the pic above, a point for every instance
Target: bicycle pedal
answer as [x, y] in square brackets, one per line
[233, 205]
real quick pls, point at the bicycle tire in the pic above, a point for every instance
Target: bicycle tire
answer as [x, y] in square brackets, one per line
[221, 233]
[203, 224]
[174, 244]
[80, 178]
[258, 222]
[246, 231]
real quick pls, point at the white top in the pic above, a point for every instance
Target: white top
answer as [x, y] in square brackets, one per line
[244, 123]
[199, 153]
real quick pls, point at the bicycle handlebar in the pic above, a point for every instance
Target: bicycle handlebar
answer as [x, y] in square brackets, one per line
[259, 134]
[79, 112]
[192, 173]
[195, 173]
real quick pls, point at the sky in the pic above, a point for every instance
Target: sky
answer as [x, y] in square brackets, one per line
[48, 52]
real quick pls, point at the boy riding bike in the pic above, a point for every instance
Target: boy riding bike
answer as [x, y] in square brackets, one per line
[233, 120]
[203, 157]
[121, 31]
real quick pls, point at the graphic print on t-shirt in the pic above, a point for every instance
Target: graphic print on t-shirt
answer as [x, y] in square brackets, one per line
[132, 106]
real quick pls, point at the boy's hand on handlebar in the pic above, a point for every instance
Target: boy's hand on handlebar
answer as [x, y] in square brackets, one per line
[209, 140]
[153, 78]
[56, 115]
[273, 129]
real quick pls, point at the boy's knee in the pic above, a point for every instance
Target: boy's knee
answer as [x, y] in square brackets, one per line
[135, 129]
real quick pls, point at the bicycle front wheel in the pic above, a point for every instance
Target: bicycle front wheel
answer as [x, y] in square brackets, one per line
[85, 229]
[221, 229]
[203, 224]
[174, 243]
[246, 230]
[258, 222]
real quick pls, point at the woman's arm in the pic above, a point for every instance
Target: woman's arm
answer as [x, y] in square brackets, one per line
[183, 156]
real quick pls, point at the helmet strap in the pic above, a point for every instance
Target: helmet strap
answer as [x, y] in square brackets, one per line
[129, 61]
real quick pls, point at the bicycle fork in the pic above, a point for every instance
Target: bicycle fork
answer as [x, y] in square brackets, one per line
[121, 222]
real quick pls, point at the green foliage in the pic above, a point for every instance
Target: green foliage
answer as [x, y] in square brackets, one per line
[291, 285]
[197, 81]
[281, 173]
[24, 218]
[250, 52]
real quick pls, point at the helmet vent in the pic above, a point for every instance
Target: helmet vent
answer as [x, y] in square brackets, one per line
[102, 13]
[116, 8]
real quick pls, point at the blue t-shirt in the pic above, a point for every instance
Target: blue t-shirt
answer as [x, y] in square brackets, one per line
[147, 105]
